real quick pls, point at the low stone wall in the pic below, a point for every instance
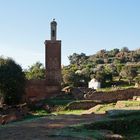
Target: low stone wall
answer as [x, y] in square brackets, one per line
[113, 96]
[83, 104]
[38, 89]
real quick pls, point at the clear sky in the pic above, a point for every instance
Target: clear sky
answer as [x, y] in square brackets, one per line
[83, 26]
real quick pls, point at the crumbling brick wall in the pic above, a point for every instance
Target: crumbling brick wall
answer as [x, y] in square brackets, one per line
[38, 89]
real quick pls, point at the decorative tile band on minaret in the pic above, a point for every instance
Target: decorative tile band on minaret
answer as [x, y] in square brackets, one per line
[53, 57]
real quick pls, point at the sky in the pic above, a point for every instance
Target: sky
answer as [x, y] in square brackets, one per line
[84, 26]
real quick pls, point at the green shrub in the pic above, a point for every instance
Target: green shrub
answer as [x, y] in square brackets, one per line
[12, 81]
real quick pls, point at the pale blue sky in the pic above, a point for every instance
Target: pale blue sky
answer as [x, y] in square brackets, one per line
[83, 26]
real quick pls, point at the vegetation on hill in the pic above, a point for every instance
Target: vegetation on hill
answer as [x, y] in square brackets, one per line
[114, 67]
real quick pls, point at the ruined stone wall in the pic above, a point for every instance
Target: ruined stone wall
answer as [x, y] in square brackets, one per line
[13, 113]
[38, 90]
[114, 95]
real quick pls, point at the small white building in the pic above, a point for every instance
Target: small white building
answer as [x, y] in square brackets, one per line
[94, 84]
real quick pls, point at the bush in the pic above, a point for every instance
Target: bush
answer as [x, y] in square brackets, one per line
[12, 81]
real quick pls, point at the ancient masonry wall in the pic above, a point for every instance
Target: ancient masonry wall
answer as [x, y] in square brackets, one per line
[37, 90]
[113, 96]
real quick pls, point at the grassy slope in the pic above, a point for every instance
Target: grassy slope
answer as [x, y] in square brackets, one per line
[125, 124]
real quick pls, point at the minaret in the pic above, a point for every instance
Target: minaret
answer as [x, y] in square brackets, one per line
[53, 58]
[53, 30]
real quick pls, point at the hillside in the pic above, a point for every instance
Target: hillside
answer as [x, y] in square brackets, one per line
[119, 67]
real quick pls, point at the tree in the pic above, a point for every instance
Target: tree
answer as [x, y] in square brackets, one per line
[68, 78]
[36, 71]
[125, 49]
[73, 77]
[103, 76]
[99, 61]
[77, 58]
[115, 51]
[102, 53]
[12, 81]
[129, 73]
[111, 68]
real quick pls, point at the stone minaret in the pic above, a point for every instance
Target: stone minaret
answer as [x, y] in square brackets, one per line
[53, 59]
[53, 30]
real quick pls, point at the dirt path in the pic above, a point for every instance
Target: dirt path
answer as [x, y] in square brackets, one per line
[40, 129]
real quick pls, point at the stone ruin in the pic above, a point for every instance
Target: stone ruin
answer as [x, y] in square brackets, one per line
[51, 85]
[82, 93]
[13, 113]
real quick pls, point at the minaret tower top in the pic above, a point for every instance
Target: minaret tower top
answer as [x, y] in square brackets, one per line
[53, 30]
